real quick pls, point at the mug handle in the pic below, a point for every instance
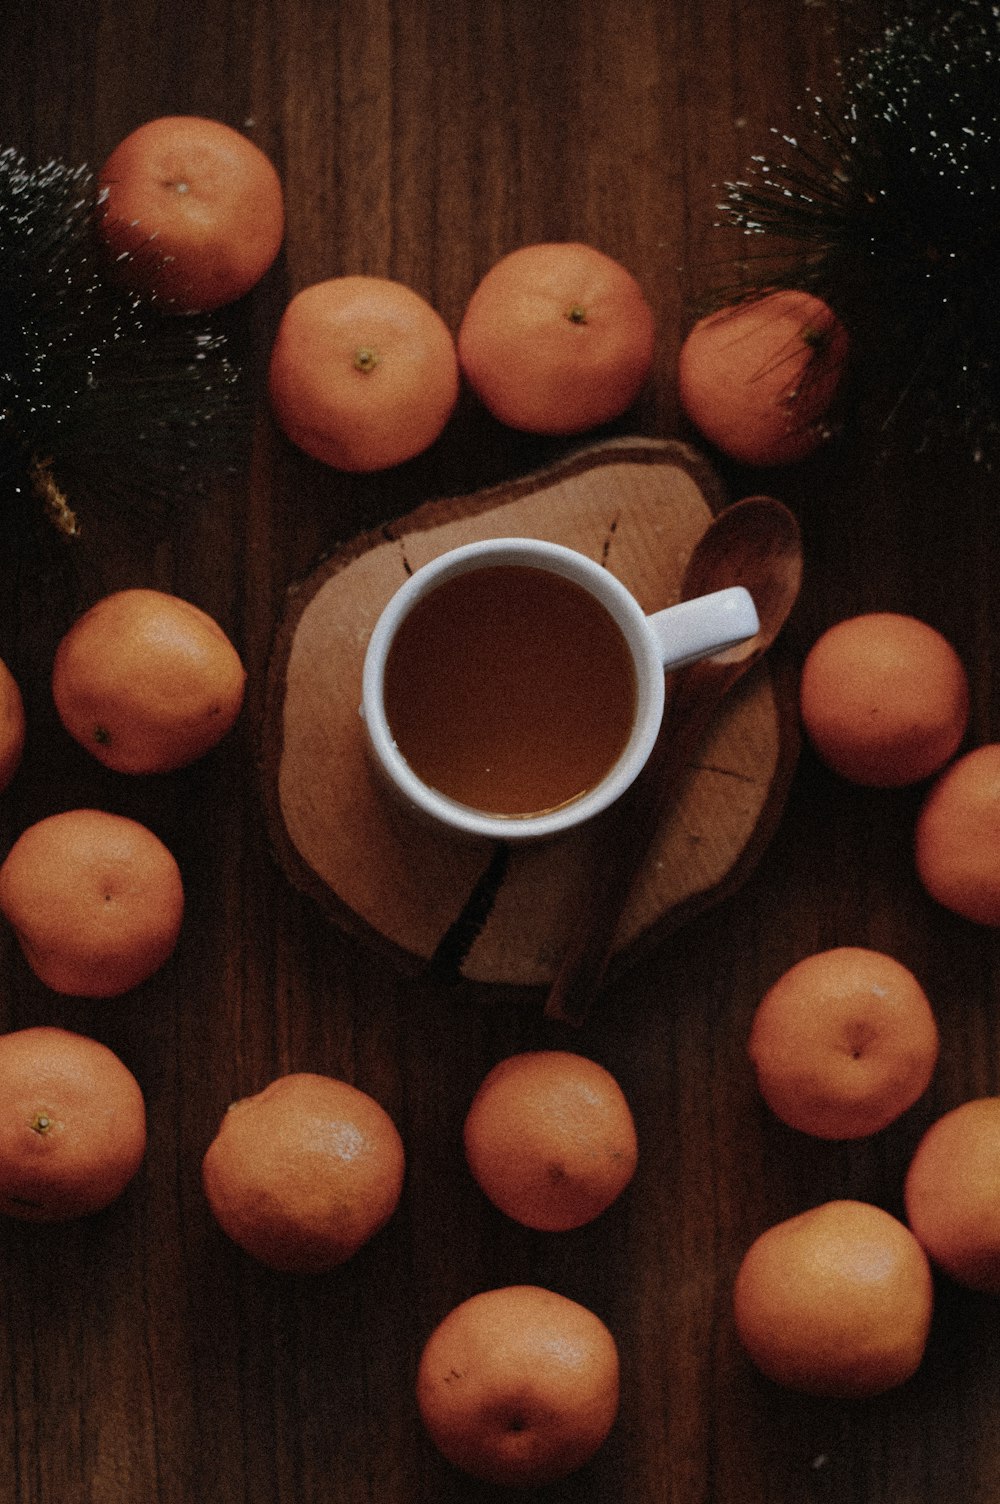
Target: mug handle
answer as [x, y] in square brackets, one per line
[704, 626]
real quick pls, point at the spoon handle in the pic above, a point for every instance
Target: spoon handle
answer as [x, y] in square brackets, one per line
[638, 816]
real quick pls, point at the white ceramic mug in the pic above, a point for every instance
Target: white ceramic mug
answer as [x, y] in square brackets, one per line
[666, 639]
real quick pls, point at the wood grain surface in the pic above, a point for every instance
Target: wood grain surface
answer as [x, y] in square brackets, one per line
[145, 1360]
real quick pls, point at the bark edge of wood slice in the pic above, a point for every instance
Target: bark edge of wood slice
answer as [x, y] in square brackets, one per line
[503, 914]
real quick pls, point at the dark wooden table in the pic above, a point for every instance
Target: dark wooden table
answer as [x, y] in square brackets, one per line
[145, 1360]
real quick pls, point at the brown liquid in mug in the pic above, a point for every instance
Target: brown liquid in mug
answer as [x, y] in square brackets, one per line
[510, 689]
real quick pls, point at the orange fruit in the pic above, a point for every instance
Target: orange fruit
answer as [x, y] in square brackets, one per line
[957, 839]
[756, 379]
[363, 373]
[835, 1301]
[12, 725]
[146, 681]
[557, 338]
[304, 1173]
[72, 1125]
[519, 1386]
[884, 699]
[193, 211]
[843, 1043]
[952, 1193]
[95, 900]
[550, 1139]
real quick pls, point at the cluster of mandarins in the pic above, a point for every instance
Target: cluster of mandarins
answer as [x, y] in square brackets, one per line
[838, 1300]
[146, 682]
[518, 1385]
[364, 373]
[304, 1173]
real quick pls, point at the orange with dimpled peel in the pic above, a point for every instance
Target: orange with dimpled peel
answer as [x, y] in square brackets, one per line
[835, 1301]
[557, 338]
[193, 212]
[550, 1139]
[363, 373]
[147, 682]
[303, 1173]
[843, 1043]
[519, 1386]
[757, 379]
[72, 1125]
[952, 1193]
[957, 837]
[884, 699]
[95, 900]
[13, 727]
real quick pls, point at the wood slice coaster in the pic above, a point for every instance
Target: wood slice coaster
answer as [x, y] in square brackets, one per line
[502, 914]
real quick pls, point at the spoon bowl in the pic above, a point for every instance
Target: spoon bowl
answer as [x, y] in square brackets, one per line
[755, 543]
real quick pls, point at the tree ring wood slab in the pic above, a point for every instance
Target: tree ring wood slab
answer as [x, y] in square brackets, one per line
[637, 505]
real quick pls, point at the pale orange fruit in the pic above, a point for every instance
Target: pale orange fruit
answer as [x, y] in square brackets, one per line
[302, 1174]
[757, 379]
[72, 1125]
[843, 1043]
[957, 836]
[952, 1193]
[557, 338]
[13, 727]
[519, 1386]
[835, 1301]
[884, 699]
[193, 211]
[363, 373]
[95, 899]
[147, 682]
[550, 1139]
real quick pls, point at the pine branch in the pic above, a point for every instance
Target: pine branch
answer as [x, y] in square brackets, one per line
[887, 205]
[97, 383]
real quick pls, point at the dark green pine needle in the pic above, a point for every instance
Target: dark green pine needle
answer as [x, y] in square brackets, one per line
[100, 390]
[887, 205]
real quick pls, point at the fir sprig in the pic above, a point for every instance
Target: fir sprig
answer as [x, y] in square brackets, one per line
[100, 389]
[887, 205]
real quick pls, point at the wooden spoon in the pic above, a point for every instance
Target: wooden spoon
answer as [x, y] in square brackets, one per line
[756, 543]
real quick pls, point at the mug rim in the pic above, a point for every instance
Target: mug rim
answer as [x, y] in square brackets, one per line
[620, 604]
